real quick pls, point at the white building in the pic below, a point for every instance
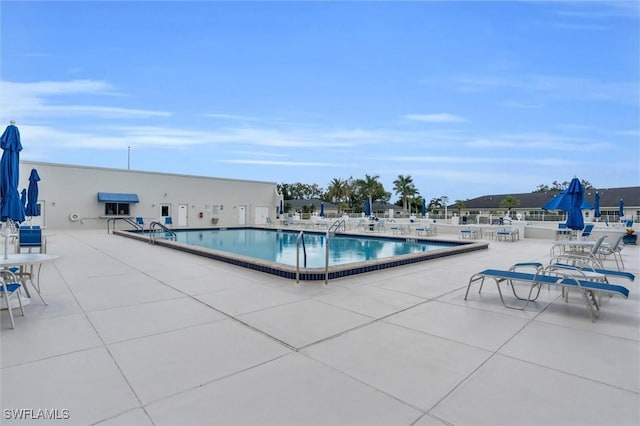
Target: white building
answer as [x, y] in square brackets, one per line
[87, 197]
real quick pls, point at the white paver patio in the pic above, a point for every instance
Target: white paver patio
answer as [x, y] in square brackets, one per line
[139, 335]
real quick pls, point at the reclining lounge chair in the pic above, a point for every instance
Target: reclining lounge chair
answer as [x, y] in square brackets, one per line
[567, 279]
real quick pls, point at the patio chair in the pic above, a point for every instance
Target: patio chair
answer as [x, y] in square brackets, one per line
[586, 232]
[608, 273]
[567, 279]
[31, 238]
[9, 284]
[579, 256]
[507, 234]
[613, 249]
[563, 231]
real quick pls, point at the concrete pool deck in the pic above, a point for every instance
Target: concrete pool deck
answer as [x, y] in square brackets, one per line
[136, 334]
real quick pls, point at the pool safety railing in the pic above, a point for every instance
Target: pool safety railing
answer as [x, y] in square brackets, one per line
[335, 226]
[129, 220]
[155, 227]
[326, 257]
[300, 241]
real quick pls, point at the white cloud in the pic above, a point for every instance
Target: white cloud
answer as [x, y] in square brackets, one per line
[282, 163]
[29, 101]
[435, 118]
[552, 87]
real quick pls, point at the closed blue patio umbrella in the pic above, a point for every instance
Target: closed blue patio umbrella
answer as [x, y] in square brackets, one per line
[596, 205]
[281, 207]
[621, 208]
[367, 206]
[424, 207]
[11, 207]
[321, 209]
[575, 193]
[32, 197]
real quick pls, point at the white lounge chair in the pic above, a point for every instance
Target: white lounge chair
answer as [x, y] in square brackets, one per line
[567, 279]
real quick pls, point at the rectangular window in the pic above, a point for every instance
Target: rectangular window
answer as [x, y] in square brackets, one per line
[164, 210]
[116, 209]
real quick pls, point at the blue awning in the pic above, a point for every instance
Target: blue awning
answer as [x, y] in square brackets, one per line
[116, 197]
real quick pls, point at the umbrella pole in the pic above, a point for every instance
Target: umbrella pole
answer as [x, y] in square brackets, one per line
[6, 239]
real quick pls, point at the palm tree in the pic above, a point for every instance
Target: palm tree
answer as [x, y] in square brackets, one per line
[404, 187]
[370, 187]
[338, 190]
[509, 202]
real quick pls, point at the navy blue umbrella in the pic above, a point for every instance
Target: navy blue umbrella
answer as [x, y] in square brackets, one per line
[281, 207]
[621, 208]
[11, 207]
[562, 202]
[596, 206]
[32, 199]
[424, 207]
[367, 207]
[575, 193]
[321, 209]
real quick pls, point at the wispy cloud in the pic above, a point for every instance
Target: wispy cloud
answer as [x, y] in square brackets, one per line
[34, 100]
[550, 87]
[233, 117]
[282, 163]
[579, 27]
[435, 118]
[538, 141]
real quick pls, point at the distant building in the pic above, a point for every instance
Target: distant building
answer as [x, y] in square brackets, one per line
[76, 197]
[531, 203]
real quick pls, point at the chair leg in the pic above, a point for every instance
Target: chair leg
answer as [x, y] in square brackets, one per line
[6, 299]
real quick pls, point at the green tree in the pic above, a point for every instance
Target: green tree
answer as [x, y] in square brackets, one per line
[338, 191]
[509, 202]
[435, 205]
[370, 186]
[404, 187]
[459, 204]
[558, 186]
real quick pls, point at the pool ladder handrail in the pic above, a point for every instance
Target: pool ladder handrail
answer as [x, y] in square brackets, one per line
[335, 226]
[300, 239]
[130, 221]
[153, 230]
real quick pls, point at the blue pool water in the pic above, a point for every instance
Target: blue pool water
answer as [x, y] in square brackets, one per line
[280, 246]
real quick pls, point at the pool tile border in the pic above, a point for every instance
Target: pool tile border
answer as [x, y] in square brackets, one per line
[317, 274]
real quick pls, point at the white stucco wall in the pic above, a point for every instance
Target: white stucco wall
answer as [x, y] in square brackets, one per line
[67, 189]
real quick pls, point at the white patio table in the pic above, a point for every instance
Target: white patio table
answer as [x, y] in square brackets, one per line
[24, 260]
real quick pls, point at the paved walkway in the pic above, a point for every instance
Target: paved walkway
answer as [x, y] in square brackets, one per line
[139, 335]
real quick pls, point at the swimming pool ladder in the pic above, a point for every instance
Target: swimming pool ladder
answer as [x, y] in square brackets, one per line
[300, 240]
[335, 226]
[152, 232]
[130, 221]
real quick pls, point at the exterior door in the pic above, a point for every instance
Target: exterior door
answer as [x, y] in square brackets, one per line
[262, 213]
[242, 215]
[182, 215]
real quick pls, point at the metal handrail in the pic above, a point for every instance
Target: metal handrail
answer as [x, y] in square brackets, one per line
[130, 221]
[153, 230]
[335, 226]
[299, 239]
[326, 259]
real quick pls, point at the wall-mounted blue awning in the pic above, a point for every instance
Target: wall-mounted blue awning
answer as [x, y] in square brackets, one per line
[117, 197]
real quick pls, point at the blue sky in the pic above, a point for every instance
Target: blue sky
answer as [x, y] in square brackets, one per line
[469, 98]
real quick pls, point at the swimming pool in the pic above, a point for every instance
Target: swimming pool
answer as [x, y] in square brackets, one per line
[274, 250]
